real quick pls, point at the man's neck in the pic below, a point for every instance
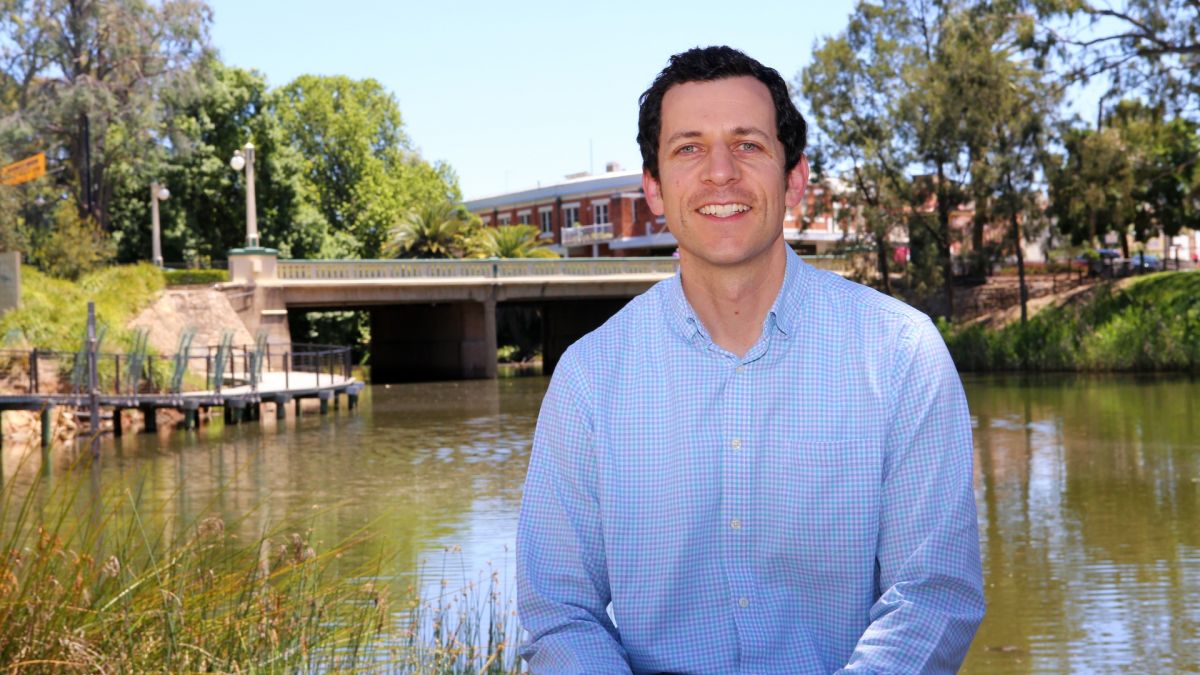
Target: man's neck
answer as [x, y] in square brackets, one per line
[732, 302]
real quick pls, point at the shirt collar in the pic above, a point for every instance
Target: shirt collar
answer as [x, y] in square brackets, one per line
[783, 315]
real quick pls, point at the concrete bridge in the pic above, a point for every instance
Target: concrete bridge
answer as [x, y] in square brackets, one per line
[436, 319]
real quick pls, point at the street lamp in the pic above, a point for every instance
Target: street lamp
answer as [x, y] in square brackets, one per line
[158, 193]
[244, 158]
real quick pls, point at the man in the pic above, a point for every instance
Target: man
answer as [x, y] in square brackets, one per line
[761, 466]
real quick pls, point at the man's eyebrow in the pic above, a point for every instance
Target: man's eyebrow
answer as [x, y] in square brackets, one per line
[750, 131]
[679, 135]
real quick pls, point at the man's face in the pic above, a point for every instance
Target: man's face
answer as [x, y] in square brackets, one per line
[722, 183]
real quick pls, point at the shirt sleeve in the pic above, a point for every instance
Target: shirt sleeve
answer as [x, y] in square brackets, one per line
[928, 567]
[562, 580]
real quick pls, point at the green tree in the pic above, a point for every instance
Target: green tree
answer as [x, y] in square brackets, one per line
[1007, 124]
[510, 241]
[359, 163]
[896, 105]
[93, 82]
[1137, 175]
[206, 214]
[432, 230]
[73, 246]
[851, 87]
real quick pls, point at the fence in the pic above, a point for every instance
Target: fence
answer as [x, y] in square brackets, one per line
[43, 371]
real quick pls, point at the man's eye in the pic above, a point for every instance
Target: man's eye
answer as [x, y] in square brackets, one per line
[686, 150]
[748, 146]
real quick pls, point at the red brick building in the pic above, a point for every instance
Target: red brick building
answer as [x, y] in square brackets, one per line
[607, 215]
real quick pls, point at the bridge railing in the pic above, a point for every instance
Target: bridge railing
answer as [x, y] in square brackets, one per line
[346, 270]
[359, 270]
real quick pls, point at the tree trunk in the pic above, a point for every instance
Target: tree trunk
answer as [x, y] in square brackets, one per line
[882, 252]
[1024, 292]
[943, 208]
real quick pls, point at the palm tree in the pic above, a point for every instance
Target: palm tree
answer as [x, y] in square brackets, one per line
[510, 241]
[435, 230]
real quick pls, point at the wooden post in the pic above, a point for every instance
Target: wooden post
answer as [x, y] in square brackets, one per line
[93, 375]
[324, 405]
[47, 426]
[117, 428]
[280, 408]
[33, 370]
[351, 400]
[298, 411]
[149, 419]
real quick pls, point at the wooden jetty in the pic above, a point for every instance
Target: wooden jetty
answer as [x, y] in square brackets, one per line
[237, 379]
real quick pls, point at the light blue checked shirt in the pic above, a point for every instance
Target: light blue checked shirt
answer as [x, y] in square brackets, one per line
[803, 509]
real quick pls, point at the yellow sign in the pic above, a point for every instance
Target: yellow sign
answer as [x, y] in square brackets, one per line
[24, 171]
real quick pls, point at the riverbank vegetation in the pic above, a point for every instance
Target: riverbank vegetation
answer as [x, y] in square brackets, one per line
[1146, 324]
[104, 581]
[53, 311]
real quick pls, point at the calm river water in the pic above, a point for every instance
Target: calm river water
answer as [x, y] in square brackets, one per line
[1088, 491]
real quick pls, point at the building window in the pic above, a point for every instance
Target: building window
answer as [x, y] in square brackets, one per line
[504, 219]
[523, 217]
[600, 213]
[547, 216]
[570, 215]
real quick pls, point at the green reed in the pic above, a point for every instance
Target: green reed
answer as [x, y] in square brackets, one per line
[97, 584]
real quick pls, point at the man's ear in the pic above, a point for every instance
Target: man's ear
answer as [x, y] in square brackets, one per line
[653, 192]
[797, 183]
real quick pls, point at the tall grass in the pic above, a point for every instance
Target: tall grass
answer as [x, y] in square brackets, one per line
[469, 626]
[1152, 324]
[107, 583]
[116, 590]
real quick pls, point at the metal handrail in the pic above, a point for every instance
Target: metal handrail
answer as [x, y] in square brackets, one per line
[328, 360]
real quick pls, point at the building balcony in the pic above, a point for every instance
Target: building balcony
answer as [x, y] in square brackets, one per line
[582, 235]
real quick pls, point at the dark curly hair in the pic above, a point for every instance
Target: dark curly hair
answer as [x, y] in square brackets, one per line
[705, 64]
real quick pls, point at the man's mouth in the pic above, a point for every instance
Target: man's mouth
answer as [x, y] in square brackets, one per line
[723, 210]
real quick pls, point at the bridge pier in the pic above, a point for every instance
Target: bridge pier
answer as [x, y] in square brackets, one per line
[423, 342]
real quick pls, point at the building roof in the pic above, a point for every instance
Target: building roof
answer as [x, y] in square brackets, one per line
[615, 181]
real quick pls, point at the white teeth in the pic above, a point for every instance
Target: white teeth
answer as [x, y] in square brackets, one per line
[723, 210]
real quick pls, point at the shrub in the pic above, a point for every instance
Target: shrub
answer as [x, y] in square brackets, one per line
[195, 277]
[1152, 324]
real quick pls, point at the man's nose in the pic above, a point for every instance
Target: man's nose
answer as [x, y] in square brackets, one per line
[720, 167]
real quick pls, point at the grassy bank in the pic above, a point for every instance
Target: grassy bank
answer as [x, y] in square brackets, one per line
[53, 312]
[1148, 324]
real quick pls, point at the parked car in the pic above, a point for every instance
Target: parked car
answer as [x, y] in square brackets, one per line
[1145, 262]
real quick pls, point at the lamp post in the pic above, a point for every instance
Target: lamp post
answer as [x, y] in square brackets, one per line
[245, 158]
[157, 194]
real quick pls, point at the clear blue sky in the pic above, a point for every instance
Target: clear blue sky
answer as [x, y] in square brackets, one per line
[513, 93]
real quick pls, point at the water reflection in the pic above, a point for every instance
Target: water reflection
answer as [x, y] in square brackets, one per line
[1088, 491]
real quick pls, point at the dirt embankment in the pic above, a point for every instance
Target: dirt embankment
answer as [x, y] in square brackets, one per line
[203, 308]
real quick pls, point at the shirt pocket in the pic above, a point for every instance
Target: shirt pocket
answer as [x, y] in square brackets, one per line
[821, 506]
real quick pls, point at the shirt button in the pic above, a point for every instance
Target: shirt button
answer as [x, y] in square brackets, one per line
[735, 524]
[739, 369]
[736, 444]
[743, 602]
